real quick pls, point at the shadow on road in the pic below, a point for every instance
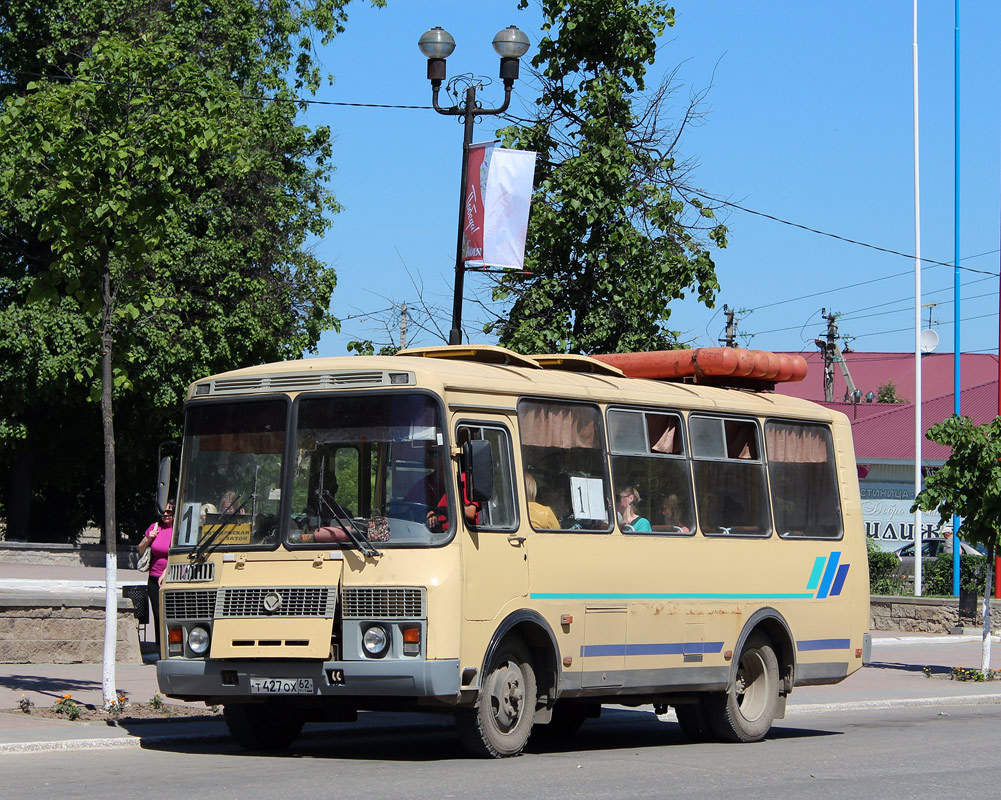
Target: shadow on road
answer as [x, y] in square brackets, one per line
[432, 737]
[928, 669]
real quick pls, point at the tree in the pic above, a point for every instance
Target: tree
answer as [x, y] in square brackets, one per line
[968, 486]
[887, 393]
[237, 282]
[145, 192]
[610, 239]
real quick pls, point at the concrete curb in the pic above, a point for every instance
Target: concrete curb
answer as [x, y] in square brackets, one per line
[108, 743]
[890, 641]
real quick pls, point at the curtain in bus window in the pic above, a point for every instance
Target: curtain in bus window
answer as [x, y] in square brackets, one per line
[803, 480]
[664, 434]
[551, 425]
[741, 439]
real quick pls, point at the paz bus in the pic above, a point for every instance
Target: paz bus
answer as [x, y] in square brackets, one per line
[511, 539]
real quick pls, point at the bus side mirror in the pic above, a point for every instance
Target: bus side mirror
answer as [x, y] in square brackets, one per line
[478, 464]
[163, 484]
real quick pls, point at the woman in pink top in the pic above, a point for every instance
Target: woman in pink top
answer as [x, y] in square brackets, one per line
[157, 536]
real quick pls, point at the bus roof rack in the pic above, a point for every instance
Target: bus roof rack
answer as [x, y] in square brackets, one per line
[482, 353]
[715, 366]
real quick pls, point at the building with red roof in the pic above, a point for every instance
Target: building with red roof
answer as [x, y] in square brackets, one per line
[884, 432]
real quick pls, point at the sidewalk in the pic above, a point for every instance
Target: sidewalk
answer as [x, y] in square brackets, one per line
[898, 675]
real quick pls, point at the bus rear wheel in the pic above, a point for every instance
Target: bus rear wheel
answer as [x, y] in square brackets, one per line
[499, 725]
[263, 726]
[746, 711]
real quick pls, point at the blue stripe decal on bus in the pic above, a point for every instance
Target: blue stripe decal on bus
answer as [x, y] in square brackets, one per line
[670, 595]
[824, 644]
[839, 581]
[662, 649]
[818, 569]
[832, 568]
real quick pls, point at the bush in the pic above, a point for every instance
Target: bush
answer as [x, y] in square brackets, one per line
[937, 576]
[883, 577]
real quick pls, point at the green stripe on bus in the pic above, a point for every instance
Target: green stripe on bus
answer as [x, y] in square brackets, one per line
[671, 596]
[818, 570]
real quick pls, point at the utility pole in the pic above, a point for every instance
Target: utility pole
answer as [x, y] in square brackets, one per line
[827, 349]
[403, 327]
[833, 355]
[731, 328]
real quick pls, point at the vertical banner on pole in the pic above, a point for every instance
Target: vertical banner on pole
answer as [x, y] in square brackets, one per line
[508, 199]
[472, 210]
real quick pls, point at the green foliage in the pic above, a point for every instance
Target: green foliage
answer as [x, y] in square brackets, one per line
[936, 575]
[612, 237]
[968, 485]
[154, 164]
[883, 578]
[976, 675]
[887, 393]
[68, 706]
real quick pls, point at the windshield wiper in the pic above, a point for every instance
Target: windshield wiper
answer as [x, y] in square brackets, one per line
[205, 546]
[347, 524]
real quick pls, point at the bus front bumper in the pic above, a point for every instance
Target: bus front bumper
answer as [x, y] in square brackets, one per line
[193, 679]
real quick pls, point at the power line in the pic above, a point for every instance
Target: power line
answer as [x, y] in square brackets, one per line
[834, 235]
[885, 278]
[176, 90]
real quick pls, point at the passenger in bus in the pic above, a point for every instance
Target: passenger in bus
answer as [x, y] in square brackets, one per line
[629, 518]
[540, 516]
[670, 512]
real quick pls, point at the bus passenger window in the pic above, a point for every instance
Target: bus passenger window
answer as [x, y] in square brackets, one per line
[562, 448]
[731, 490]
[802, 478]
[650, 464]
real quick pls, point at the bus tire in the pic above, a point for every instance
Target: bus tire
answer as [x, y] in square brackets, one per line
[263, 726]
[745, 712]
[499, 725]
[694, 721]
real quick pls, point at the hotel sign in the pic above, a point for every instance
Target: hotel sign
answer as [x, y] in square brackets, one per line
[886, 509]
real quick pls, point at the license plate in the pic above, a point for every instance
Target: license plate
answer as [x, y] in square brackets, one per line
[281, 686]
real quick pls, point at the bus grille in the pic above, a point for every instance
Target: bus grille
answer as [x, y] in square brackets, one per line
[198, 604]
[191, 573]
[295, 601]
[380, 602]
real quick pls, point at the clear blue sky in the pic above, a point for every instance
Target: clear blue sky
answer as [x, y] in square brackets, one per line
[808, 119]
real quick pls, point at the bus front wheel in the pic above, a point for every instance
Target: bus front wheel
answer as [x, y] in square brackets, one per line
[499, 725]
[263, 726]
[746, 711]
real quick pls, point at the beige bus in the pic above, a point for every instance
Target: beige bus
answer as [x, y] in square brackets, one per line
[514, 540]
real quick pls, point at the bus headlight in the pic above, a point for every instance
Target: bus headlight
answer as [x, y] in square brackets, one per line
[198, 640]
[375, 640]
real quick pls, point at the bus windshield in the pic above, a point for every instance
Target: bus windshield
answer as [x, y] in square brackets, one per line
[369, 466]
[232, 474]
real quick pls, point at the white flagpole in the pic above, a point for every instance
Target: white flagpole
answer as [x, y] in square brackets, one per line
[917, 318]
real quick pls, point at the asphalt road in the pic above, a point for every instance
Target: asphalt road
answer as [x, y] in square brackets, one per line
[906, 752]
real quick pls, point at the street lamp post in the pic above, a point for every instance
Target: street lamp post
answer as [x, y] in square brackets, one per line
[437, 45]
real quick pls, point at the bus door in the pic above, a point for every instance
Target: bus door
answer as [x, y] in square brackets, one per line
[494, 556]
